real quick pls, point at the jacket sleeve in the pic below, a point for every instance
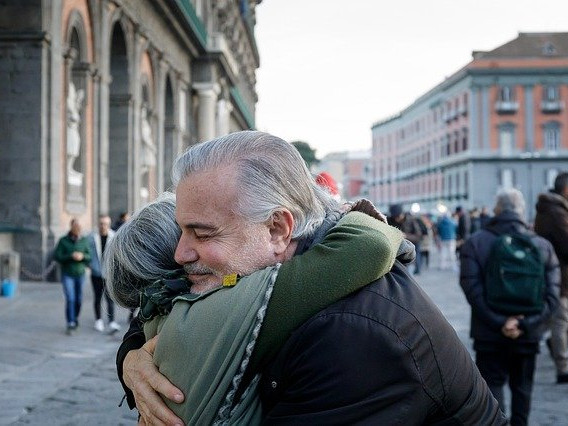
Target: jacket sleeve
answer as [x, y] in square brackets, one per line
[93, 248]
[532, 323]
[556, 231]
[355, 252]
[87, 255]
[338, 370]
[133, 339]
[346, 368]
[472, 283]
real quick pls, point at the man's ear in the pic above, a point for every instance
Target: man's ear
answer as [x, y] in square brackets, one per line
[280, 225]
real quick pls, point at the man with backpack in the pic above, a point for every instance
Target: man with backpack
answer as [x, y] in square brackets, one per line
[510, 277]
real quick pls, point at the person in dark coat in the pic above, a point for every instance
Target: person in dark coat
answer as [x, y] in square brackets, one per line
[551, 222]
[463, 230]
[475, 220]
[484, 217]
[411, 229]
[122, 219]
[506, 345]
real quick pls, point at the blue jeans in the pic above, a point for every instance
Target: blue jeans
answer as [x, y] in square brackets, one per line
[73, 291]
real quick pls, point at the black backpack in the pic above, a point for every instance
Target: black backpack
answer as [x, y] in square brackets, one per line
[515, 276]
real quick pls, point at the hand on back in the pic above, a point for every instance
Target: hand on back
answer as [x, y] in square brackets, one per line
[143, 378]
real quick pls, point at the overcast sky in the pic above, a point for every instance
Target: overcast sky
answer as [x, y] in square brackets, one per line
[330, 68]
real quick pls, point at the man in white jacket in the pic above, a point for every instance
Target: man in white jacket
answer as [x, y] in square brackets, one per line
[98, 241]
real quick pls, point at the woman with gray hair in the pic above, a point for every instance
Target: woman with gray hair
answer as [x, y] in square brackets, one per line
[237, 326]
[144, 251]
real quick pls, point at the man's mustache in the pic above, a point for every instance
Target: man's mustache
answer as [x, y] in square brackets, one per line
[195, 269]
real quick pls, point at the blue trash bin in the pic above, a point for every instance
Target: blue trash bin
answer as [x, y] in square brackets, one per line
[8, 288]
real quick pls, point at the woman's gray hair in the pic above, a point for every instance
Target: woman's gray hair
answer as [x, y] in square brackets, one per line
[271, 174]
[142, 251]
[511, 200]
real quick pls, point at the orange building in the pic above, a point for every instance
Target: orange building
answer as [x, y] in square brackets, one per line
[498, 122]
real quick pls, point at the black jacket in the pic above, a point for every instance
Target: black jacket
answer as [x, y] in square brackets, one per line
[385, 355]
[551, 222]
[486, 324]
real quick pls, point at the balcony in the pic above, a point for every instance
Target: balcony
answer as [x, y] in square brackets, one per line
[551, 107]
[506, 107]
[218, 45]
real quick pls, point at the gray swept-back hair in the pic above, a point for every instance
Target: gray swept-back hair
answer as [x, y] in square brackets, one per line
[142, 251]
[511, 200]
[271, 175]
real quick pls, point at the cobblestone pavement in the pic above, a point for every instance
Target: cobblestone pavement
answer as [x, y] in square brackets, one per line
[550, 401]
[47, 377]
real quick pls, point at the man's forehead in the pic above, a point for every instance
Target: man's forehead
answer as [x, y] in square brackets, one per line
[203, 213]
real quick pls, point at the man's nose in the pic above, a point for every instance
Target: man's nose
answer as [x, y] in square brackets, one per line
[185, 253]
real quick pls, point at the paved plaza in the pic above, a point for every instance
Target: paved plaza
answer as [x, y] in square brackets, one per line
[47, 377]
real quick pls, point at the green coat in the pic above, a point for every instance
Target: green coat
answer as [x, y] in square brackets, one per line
[206, 341]
[65, 247]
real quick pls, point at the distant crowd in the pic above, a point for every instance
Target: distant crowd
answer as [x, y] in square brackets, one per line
[515, 277]
[445, 232]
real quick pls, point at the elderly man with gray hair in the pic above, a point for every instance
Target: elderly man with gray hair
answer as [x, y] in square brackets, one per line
[507, 327]
[383, 355]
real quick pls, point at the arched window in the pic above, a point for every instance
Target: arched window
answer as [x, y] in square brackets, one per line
[551, 136]
[506, 138]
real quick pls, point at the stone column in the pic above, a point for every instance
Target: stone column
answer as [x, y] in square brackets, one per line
[206, 126]
[97, 150]
[135, 146]
[181, 109]
[224, 109]
[160, 78]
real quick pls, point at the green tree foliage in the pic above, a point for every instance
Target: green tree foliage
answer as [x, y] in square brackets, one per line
[307, 153]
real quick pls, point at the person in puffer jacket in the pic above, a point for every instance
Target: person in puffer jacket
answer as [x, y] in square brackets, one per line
[551, 222]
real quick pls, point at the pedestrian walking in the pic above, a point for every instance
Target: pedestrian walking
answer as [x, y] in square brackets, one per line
[410, 227]
[122, 219]
[73, 254]
[475, 217]
[463, 230]
[551, 222]
[427, 243]
[510, 278]
[484, 217]
[97, 244]
[446, 239]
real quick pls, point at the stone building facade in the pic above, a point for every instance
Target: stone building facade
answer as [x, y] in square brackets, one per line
[97, 98]
[500, 121]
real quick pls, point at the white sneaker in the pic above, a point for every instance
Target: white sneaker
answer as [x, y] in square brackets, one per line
[113, 327]
[99, 325]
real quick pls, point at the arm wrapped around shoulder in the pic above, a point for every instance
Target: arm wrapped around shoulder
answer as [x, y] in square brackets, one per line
[356, 251]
